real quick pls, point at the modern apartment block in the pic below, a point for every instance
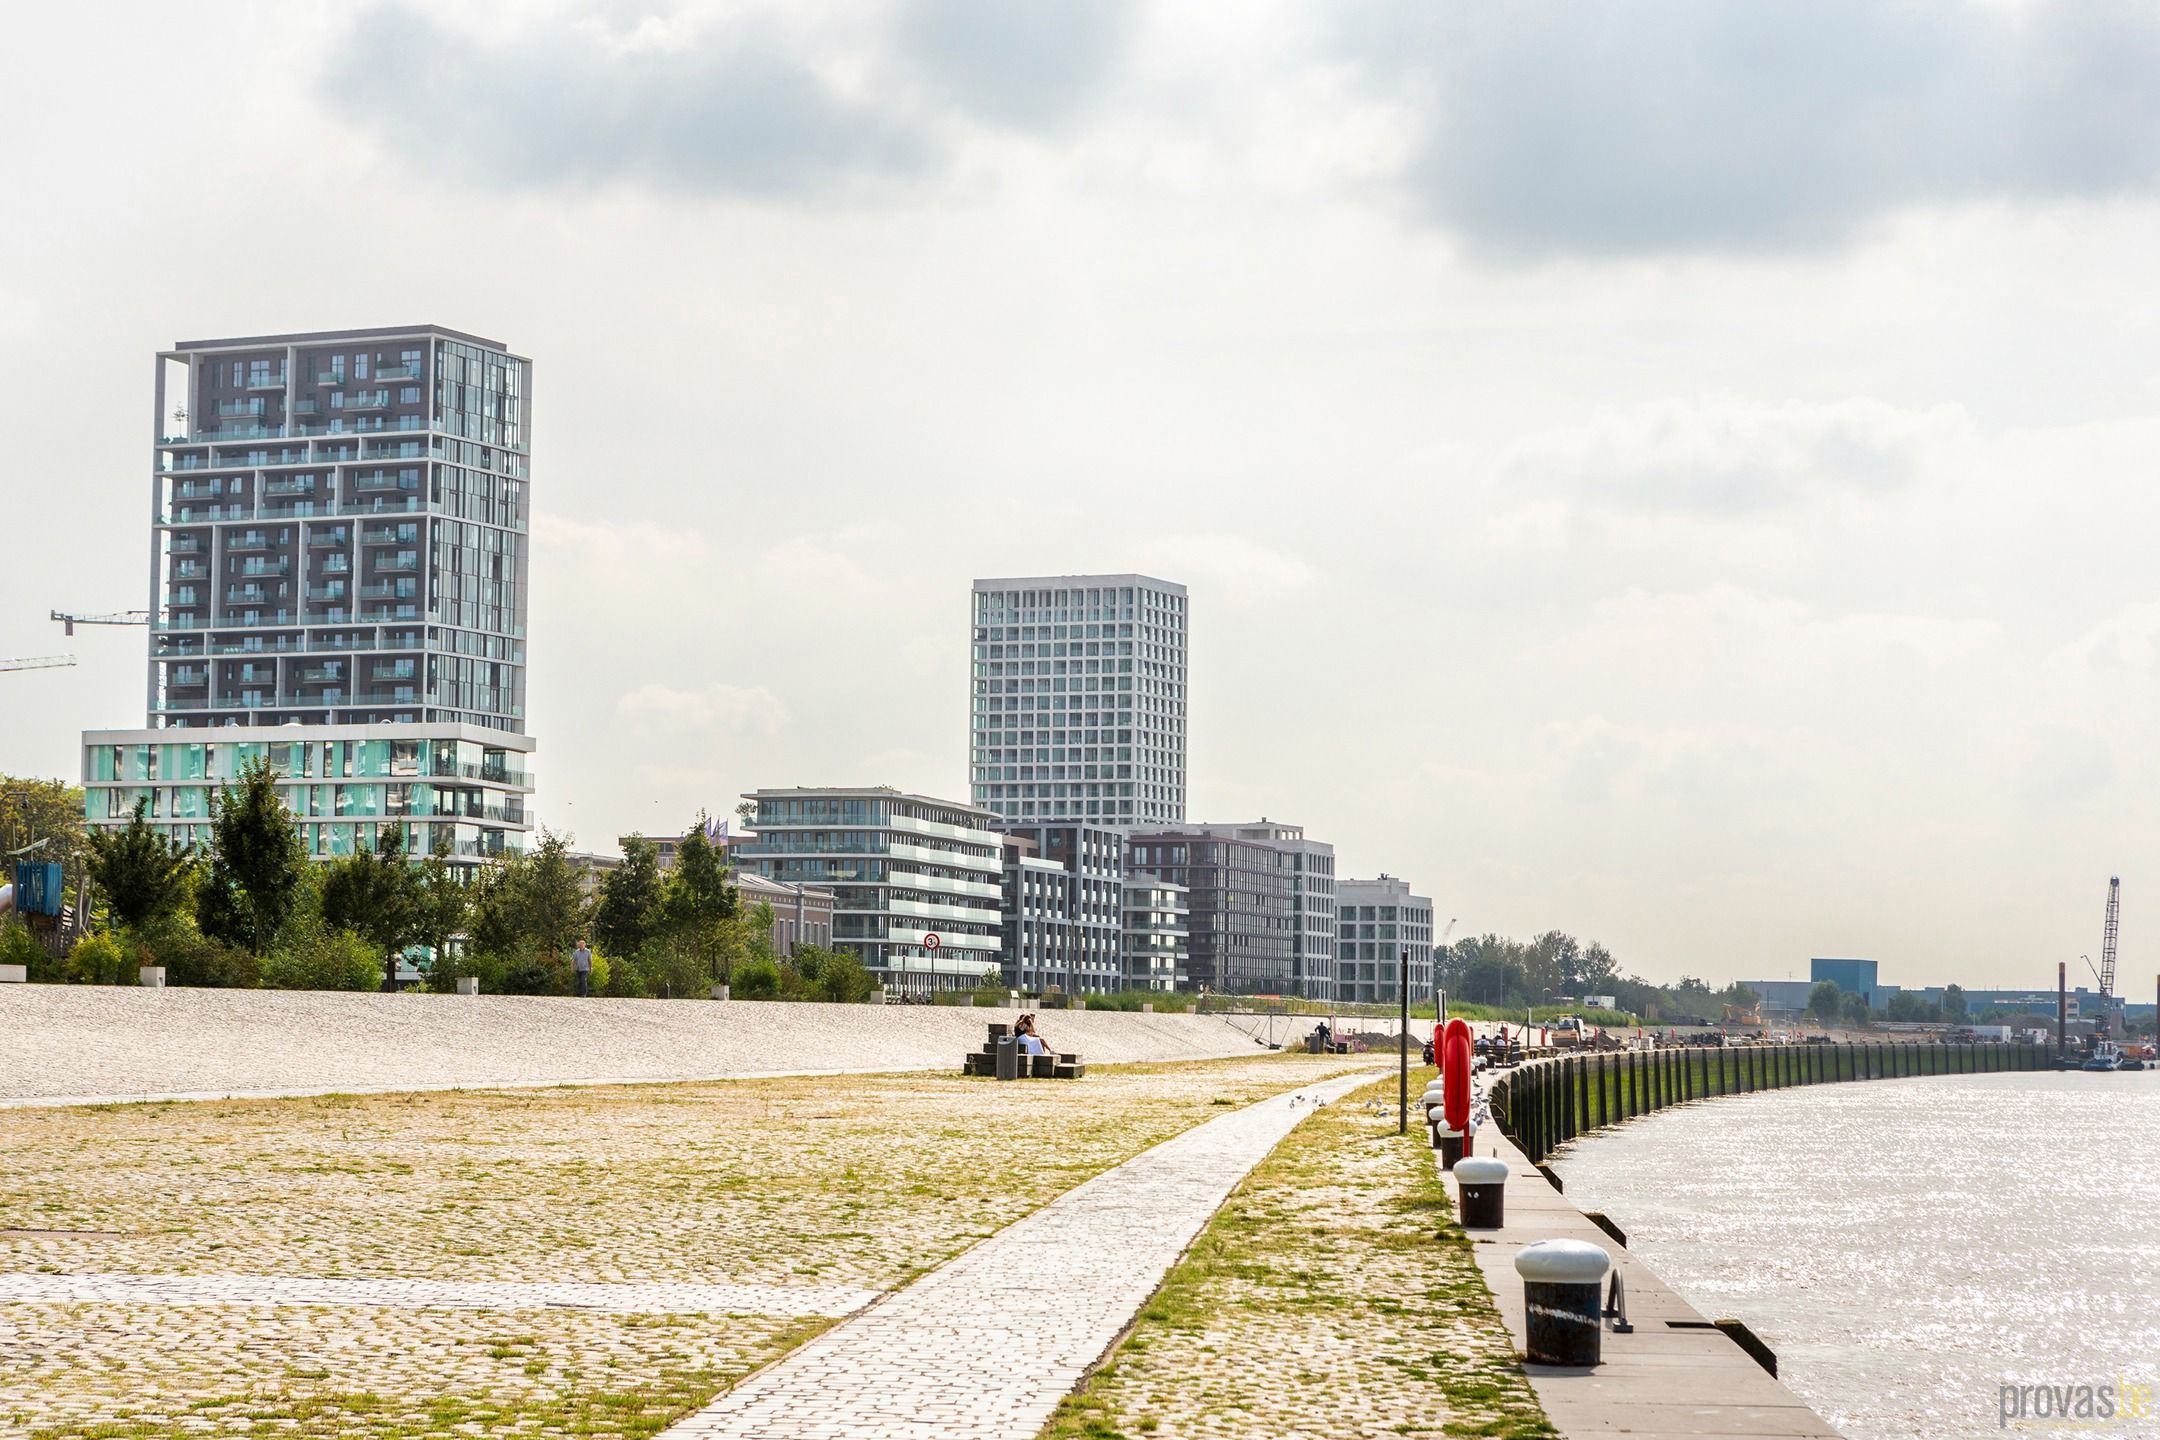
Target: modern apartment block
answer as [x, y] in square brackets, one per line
[1077, 704]
[454, 787]
[1064, 908]
[915, 880]
[1158, 934]
[1243, 898]
[1379, 920]
[1312, 927]
[339, 523]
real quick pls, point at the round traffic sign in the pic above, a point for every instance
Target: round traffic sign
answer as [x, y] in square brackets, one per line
[931, 941]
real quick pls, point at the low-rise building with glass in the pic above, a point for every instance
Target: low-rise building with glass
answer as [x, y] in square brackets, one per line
[1064, 908]
[916, 881]
[1158, 935]
[1379, 922]
[458, 787]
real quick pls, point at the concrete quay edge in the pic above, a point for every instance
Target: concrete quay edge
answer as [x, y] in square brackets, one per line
[1675, 1375]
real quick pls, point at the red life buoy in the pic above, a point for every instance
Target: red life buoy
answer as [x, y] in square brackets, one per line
[1455, 1047]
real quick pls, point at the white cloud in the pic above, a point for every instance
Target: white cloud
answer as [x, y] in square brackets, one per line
[1231, 567]
[1727, 629]
[715, 711]
[1722, 456]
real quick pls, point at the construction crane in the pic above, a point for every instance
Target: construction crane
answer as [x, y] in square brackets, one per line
[120, 617]
[37, 662]
[2107, 937]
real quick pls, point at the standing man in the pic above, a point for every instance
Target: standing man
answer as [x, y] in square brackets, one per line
[581, 962]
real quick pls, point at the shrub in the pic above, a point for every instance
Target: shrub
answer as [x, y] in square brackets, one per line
[19, 947]
[99, 960]
[189, 956]
[324, 960]
[755, 979]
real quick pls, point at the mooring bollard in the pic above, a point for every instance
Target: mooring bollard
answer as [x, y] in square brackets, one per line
[1449, 1143]
[1483, 1184]
[1563, 1281]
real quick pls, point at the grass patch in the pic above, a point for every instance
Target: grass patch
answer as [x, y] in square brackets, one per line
[1333, 1294]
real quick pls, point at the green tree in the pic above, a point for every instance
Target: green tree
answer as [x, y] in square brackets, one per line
[374, 893]
[628, 910]
[142, 872]
[442, 903]
[1906, 1006]
[553, 894]
[527, 914]
[1856, 1010]
[1953, 1004]
[257, 862]
[699, 900]
[47, 810]
[1826, 1002]
[832, 975]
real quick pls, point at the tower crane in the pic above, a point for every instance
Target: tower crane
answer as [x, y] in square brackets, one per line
[120, 617]
[37, 662]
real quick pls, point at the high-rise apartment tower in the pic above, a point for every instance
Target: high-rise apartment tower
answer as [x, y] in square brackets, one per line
[1077, 704]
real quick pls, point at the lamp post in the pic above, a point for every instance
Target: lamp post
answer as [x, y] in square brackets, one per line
[1402, 1044]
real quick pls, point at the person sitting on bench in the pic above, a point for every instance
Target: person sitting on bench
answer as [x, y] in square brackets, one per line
[1030, 1042]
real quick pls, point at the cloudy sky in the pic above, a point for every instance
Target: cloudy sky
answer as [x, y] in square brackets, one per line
[1681, 472]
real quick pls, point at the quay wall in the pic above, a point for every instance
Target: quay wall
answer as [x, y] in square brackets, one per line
[1543, 1104]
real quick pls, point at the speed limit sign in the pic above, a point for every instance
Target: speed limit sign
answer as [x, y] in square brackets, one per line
[931, 941]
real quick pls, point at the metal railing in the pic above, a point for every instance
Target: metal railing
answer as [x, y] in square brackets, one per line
[1543, 1104]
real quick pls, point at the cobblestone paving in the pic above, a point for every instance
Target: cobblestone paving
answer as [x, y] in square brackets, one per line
[826, 1190]
[799, 1301]
[1319, 1304]
[986, 1345]
[100, 1372]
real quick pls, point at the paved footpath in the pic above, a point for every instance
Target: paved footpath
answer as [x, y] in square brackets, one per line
[989, 1343]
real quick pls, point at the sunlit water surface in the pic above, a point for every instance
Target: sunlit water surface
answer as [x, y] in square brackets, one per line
[1907, 1247]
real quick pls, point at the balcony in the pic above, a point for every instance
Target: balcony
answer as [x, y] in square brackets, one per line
[384, 480]
[333, 591]
[298, 485]
[389, 590]
[367, 402]
[185, 545]
[190, 570]
[398, 562]
[334, 615]
[386, 535]
[323, 675]
[394, 670]
[184, 596]
[334, 565]
[280, 566]
[245, 595]
[187, 676]
[328, 539]
[386, 613]
[238, 409]
[398, 372]
[248, 540]
[267, 382]
[199, 489]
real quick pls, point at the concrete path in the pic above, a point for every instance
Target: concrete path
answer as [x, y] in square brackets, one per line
[1674, 1376]
[89, 1044]
[614, 1299]
[988, 1344]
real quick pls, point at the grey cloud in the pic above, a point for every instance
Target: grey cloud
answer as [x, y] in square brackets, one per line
[727, 113]
[1028, 64]
[1697, 125]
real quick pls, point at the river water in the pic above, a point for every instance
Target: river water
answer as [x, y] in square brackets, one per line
[1910, 1247]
